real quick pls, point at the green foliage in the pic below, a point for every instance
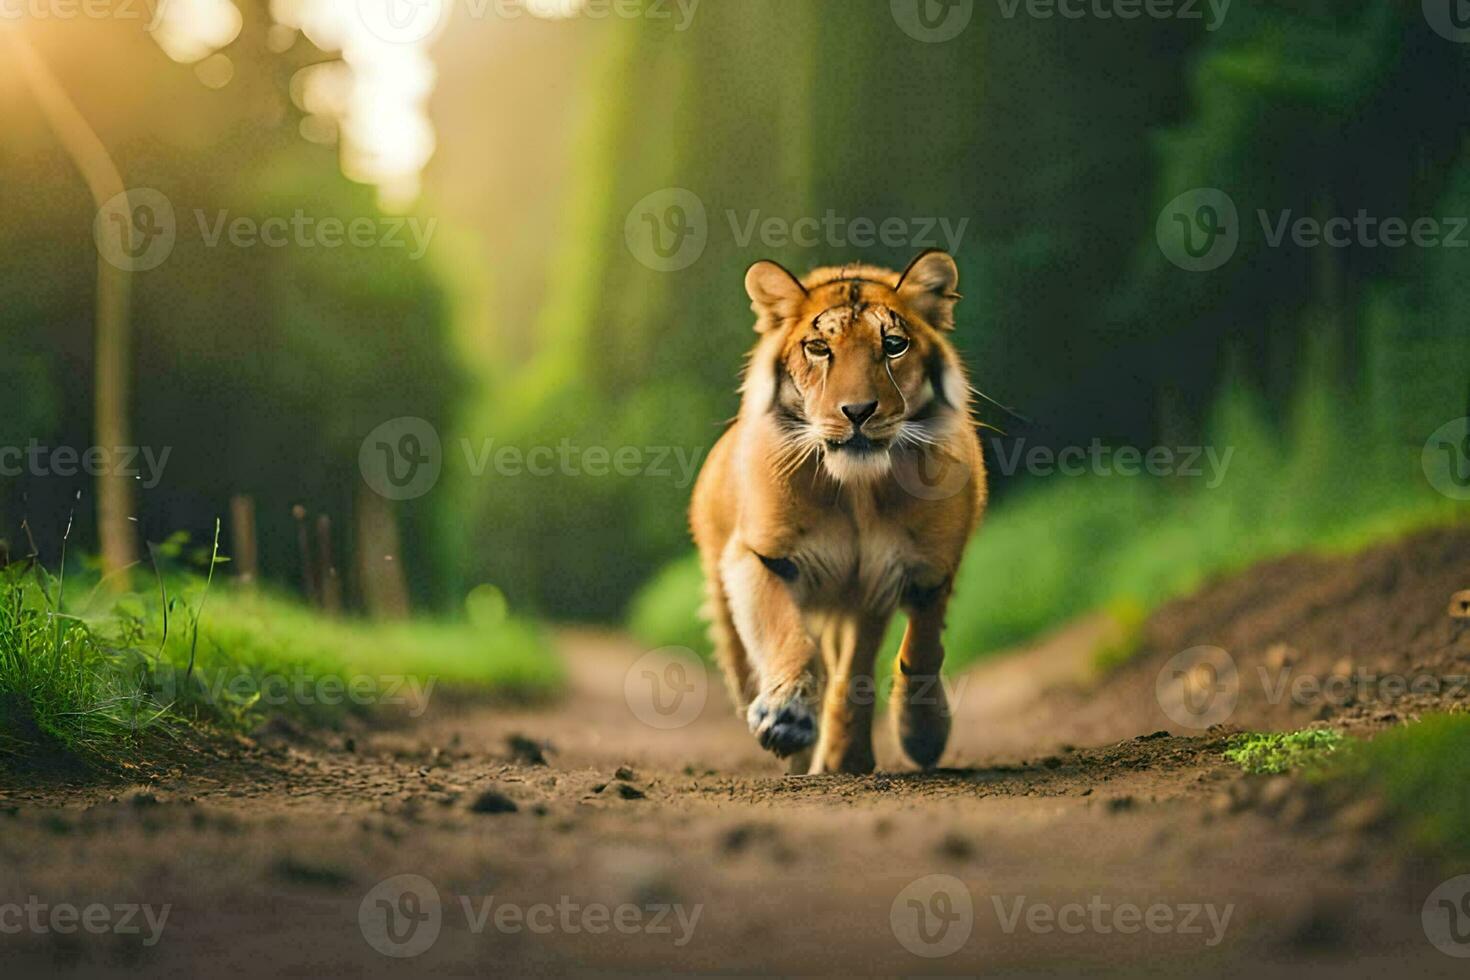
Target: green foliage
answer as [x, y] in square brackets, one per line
[99, 677]
[1418, 771]
[67, 681]
[1278, 752]
[259, 369]
[1124, 641]
[665, 612]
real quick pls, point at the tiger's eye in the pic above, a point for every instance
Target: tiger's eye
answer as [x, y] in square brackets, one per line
[895, 344]
[818, 348]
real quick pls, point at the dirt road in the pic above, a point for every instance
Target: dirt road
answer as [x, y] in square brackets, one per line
[633, 848]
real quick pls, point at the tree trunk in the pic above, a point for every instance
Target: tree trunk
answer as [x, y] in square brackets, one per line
[113, 348]
[380, 568]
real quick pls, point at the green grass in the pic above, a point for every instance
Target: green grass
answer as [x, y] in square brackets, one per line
[65, 682]
[665, 612]
[100, 677]
[1124, 641]
[1326, 480]
[1278, 752]
[1418, 770]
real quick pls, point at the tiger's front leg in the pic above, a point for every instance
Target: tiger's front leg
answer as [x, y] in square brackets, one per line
[847, 710]
[782, 714]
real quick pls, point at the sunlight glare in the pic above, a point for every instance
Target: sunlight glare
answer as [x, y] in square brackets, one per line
[192, 30]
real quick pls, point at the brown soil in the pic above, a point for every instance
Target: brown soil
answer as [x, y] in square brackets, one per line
[1061, 792]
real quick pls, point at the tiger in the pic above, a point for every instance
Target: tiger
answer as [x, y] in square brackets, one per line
[846, 488]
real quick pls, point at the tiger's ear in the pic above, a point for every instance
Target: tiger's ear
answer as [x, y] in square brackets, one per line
[928, 286]
[775, 294]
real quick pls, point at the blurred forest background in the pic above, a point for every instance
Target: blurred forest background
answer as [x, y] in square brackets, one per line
[530, 321]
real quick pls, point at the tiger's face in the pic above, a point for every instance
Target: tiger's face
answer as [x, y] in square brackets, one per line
[860, 360]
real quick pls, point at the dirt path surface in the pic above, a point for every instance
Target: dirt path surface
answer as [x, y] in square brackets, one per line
[1071, 833]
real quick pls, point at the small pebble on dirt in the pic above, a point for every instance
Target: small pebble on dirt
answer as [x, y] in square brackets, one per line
[956, 847]
[493, 801]
[623, 772]
[739, 837]
[628, 792]
[526, 750]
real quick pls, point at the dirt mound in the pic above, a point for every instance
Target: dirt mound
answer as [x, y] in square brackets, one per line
[1360, 642]
[1341, 639]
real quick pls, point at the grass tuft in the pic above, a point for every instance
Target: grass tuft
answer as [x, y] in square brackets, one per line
[1278, 752]
[103, 679]
[1418, 770]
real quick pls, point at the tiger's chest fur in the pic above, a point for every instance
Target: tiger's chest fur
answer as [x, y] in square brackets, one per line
[854, 556]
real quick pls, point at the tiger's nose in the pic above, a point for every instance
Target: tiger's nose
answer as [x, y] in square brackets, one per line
[858, 414]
